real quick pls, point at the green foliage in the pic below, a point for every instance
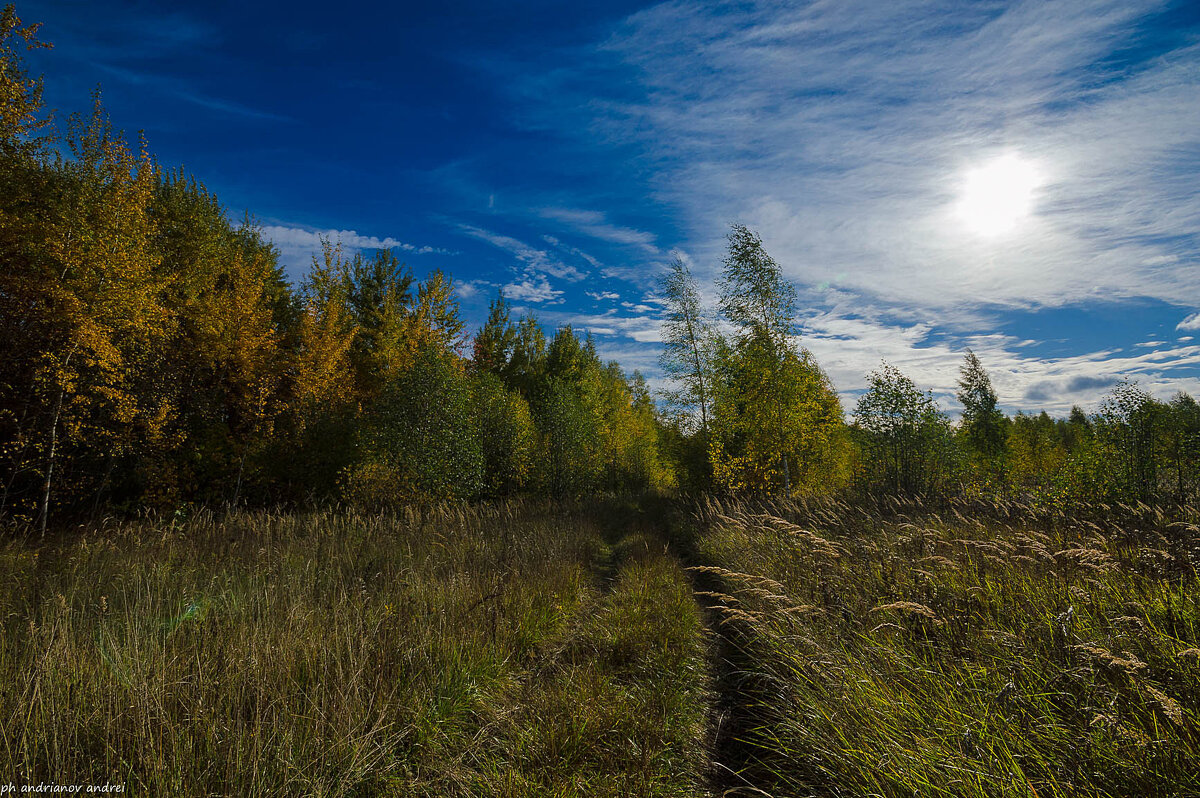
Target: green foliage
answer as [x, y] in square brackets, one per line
[689, 343]
[416, 450]
[905, 437]
[776, 423]
[1180, 449]
[688, 339]
[495, 343]
[1129, 418]
[755, 297]
[507, 435]
[984, 427]
[570, 464]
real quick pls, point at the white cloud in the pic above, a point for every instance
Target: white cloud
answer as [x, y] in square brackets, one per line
[579, 253]
[843, 131]
[847, 348]
[1191, 322]
[640, 329]
[603, 295]
[471, 288]
[298, 245]
[533, 289]
[303, 238]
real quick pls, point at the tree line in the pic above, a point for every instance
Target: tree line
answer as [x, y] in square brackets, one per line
[752, 411]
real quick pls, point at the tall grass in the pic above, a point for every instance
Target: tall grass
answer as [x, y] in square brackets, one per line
[455, 652]
[980, 650]
[883, 648]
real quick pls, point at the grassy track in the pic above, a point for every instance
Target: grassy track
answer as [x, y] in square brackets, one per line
[469, 652]
[537, 649]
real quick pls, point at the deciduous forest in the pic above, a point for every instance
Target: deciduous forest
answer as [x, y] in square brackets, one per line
[264, 538]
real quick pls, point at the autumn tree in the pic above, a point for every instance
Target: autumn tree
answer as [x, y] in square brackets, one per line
[29, 188]
[91, 287]
[689, 343]
[222, 364]
[687, 338]
[776, 419]
[20, 94]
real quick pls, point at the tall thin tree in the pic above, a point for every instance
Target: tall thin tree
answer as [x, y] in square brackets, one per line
[761, 304]
[687, 341]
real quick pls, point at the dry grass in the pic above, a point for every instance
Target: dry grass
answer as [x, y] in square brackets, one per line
[975, 650]
[514, 650]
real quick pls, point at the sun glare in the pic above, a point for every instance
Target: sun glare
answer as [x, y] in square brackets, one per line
[999, 195]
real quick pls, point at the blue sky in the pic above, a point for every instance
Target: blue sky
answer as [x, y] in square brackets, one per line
[566, 151]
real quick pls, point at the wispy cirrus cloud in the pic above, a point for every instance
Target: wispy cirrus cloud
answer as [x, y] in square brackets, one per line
[841, 130]
[844, 132]
[534, 259]
[182, 90]
[534, 267]
[596, 225]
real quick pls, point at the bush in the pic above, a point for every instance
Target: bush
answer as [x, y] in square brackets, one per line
[507, 437]
[421, 443]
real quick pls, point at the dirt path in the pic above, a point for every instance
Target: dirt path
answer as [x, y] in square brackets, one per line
[735, 686]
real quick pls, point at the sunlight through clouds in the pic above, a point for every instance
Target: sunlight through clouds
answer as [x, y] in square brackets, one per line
[998, 195]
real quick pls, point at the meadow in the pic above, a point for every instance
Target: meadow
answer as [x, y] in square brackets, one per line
[525, 649]
[609, 647]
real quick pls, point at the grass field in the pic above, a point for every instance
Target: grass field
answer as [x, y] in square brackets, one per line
[522, 650]
[609, 648]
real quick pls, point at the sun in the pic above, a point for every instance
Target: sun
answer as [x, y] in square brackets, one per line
[998, 195]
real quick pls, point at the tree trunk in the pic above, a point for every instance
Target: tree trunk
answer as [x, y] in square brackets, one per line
[45, 513]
